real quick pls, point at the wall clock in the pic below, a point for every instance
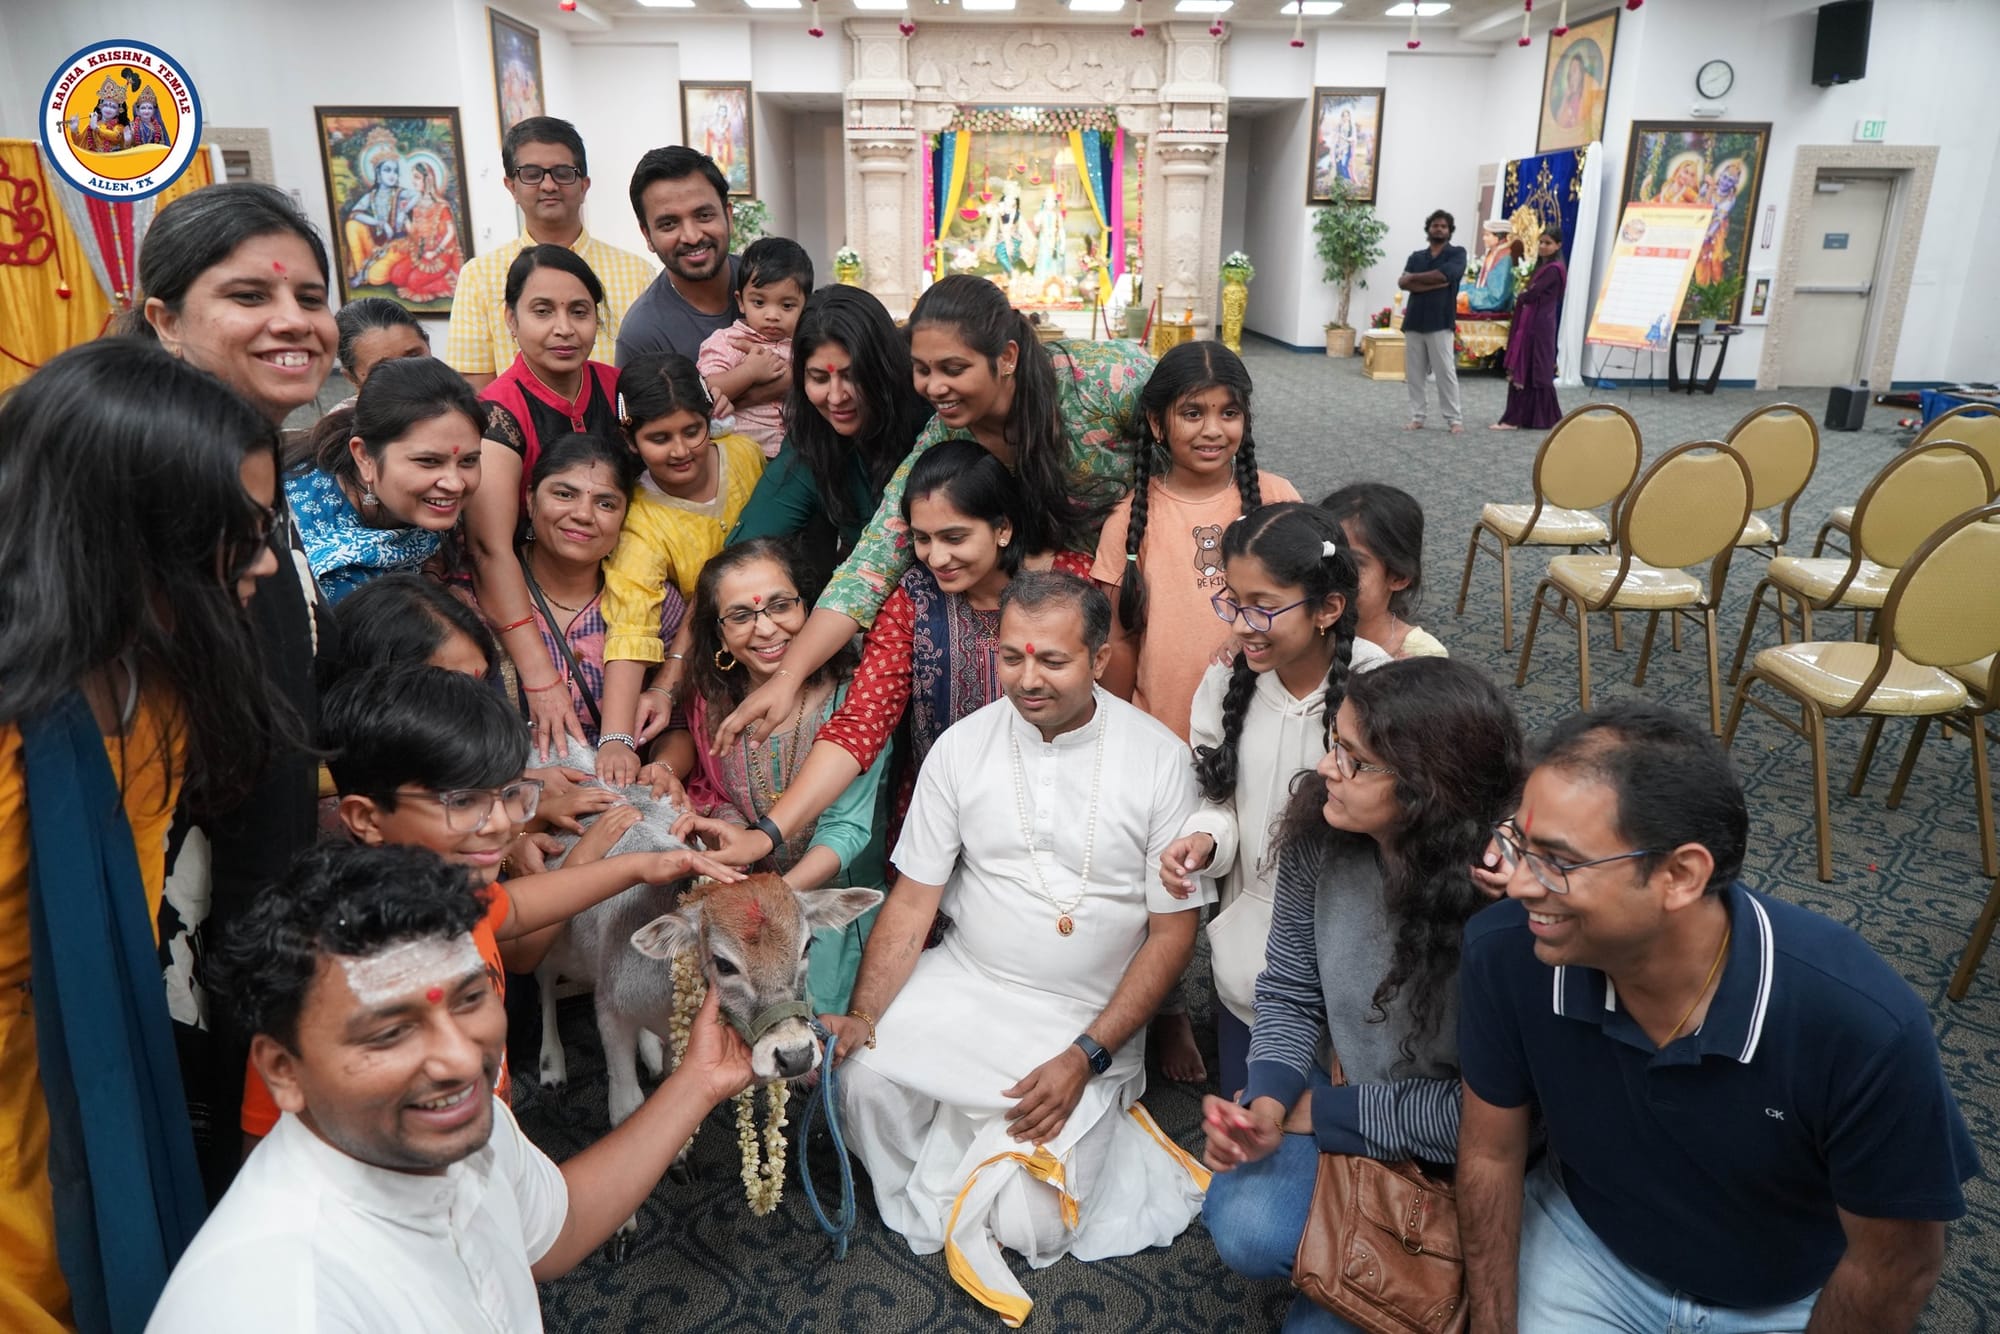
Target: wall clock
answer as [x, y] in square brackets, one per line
[1714, 79]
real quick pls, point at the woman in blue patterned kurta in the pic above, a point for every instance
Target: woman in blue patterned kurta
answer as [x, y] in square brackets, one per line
[383, 484]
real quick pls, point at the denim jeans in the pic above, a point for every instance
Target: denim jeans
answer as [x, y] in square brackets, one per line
[1257, 1215]
[1571, 1283]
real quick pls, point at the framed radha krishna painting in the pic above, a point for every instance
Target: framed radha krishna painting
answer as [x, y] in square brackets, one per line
[395, 181]
[1346, 143]
[1714, 164]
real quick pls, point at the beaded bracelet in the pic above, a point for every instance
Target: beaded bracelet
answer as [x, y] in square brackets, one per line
[625, 739]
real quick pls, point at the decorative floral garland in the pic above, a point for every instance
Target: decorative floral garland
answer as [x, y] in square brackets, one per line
[1033, 120]
[763, 1171]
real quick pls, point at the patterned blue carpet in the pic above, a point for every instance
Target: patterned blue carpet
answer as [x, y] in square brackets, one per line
[1907, 880]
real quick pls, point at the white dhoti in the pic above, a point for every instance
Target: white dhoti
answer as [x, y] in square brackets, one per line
[924, 1109]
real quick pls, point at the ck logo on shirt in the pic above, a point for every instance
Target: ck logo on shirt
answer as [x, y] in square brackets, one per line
[1774, 1113]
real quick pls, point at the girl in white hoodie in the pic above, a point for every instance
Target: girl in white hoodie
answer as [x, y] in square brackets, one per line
[1257, 723]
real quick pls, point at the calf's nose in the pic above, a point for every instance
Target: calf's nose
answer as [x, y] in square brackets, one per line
[793, 1061]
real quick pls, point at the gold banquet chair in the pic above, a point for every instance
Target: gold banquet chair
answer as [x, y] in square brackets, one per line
[1780, 445]
[1975, 425]
[1586, 462]
[1688, 508]
[1912, 497]
[1943, 609]
[1982, 686]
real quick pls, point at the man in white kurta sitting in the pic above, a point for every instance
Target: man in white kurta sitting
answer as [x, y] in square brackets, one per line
[992, 1091]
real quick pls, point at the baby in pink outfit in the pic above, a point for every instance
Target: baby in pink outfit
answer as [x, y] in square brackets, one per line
[752, 359]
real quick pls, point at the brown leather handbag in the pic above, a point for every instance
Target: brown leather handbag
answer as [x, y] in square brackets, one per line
[1381, 1248]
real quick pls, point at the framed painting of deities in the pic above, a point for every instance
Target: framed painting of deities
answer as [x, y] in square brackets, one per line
[1717, 165]
[1575, 83]
[1346, 143]
[715, 118]
[395, 182]
[517, 69]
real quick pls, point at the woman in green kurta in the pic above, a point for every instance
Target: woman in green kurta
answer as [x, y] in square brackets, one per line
[1064, 417]
[853, 416]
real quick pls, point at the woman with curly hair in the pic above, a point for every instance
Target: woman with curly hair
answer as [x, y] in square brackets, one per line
[1373, 892]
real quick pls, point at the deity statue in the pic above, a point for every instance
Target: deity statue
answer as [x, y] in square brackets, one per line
[1494, 291]
[1051, 237]
[1007, 230]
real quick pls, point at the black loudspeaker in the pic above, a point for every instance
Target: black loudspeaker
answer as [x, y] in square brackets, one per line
[1846, 407]
[1840, 48]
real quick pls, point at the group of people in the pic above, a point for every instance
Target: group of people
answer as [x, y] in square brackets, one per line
[1432, 276]
[1019, 631]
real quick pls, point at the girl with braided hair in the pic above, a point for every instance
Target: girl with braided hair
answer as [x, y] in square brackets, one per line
[1258, 722]
[1160, 556]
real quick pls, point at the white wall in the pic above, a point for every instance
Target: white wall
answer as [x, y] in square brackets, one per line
[819, 177]
[1277, 230]
[636, 107]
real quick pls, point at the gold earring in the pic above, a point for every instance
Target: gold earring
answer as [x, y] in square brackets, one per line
[722, 666]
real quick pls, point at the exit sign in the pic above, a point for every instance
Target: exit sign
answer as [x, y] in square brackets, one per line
[1870, 131]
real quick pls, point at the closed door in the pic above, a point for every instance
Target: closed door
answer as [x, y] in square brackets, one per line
[1828, 323]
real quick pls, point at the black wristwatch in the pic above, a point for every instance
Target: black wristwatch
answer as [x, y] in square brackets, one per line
[1093, 1051]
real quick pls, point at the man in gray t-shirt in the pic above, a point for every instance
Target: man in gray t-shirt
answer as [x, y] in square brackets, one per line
[682, 201]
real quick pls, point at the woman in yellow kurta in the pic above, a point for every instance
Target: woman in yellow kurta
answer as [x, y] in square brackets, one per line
[695, 484]
[140, 493]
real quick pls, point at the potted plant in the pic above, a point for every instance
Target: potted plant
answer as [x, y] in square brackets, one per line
[1382, 318]
[746, 222]
[847, 266]
[1716, 302]
[1347, 238]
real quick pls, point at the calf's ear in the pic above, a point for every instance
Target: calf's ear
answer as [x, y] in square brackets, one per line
[835, 907]
[666, 936]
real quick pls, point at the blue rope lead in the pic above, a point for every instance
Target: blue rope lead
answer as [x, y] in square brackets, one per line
[839, 1226]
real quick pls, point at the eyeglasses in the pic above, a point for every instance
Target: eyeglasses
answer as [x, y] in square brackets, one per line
[774, 608]
[1256, 618]
[467, 810]
[1347, 766]
[245, 554]
[532, 174]
[1552, 874]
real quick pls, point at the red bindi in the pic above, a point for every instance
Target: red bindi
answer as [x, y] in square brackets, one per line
[756, 600]
[831, 368]
[1031, 649]
[277, 268]
[435, 995]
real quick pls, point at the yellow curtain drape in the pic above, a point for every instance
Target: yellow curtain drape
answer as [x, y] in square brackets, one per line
[959, 151]
[35, 321]
[1097, 210]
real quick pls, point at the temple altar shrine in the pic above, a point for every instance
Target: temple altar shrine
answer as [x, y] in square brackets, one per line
[1056, 161]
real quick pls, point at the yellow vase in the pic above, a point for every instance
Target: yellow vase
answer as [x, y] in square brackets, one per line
[1235, 300]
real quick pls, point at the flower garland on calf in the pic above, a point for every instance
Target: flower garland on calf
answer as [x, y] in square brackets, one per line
[763, 1164]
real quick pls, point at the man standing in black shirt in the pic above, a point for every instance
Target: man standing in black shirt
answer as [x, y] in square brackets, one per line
[1431, 278]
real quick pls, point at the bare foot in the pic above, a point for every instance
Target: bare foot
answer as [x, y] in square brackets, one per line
[1174, 1049]
[1413, 426]
[1502, 426]
[1458, 428]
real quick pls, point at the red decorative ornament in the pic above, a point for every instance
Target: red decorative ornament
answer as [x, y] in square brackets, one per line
[1138, 19]
[566, 6]
[1562, 20]
[1634, 4]
[1414, 41]
[1298, 25]
[815, 30]
[1215, 28]
[1527, 8]
[62, 291]
[906, 27]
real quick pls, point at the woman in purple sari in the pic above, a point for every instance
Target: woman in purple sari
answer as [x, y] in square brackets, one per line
[1531, 346]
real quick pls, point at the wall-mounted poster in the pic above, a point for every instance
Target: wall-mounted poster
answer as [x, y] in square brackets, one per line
[715, 117]
[1760, 302]
[1575, 83]
[1719, 166]
[1346, 143]
[517, 69]
[395, 179]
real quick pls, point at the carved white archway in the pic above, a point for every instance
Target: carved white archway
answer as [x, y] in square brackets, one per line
[1167, 85]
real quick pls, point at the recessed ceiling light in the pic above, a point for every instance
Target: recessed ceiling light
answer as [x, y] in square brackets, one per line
[1096, 6]
[1423, 9]
[1315, 9]
[1203, 6]
[878, 4]
[666, 4]
[971, 5]
[771, 4]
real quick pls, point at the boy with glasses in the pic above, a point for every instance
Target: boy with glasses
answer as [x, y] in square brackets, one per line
[1748, 1127]
[545, 170]
[424, 757]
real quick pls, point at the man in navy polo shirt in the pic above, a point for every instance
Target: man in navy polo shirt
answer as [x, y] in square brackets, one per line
[1748, 1128]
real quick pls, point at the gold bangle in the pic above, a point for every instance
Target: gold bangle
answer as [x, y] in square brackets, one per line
[869, 1020]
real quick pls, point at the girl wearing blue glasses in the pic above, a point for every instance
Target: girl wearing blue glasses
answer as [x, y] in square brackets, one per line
[1289, 600]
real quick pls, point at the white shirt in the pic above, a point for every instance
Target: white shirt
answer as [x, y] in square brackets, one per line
[309, 1241]
[1282, 737]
